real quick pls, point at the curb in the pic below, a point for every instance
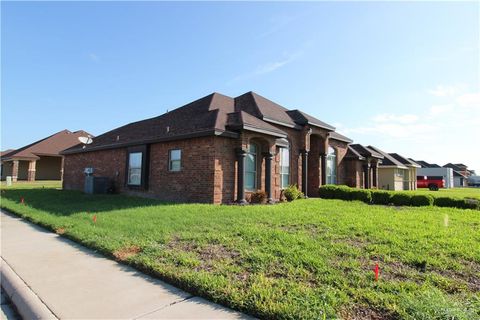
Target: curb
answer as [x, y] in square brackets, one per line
[27, 303]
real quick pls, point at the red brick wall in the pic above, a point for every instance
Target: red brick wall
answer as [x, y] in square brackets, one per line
[354, 173]
[106, 163]
[209, 167]
[194, 183]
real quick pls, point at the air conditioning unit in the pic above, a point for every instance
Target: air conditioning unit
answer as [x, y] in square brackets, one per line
[97, 185]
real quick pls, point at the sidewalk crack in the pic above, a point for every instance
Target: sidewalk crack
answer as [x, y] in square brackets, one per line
[164, 307]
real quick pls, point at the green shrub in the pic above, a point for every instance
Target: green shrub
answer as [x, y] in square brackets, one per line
[468, 204]
[343, 193]
[445, 202]
[419, 200]
[381, 197]
[328, 191]
[401, 199]
[258, 197]
[361, 195]
[292, 193]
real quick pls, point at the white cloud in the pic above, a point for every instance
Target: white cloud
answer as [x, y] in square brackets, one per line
[451, 124]
[268, 67]
[446, 91]
[94, 57]
[272, 66]
[403, 118]
[440, 109]
[469, 100]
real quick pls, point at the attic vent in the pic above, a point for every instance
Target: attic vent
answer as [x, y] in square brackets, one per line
[118, 138]
[168, 129]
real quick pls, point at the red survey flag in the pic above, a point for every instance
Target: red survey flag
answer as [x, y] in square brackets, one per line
[377, 271]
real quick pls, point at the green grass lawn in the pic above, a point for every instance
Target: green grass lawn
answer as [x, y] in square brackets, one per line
[310, 259]
[32, 184]
[473, 193]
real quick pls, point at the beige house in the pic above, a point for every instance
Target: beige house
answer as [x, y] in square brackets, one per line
[396, 172]
[40, 160]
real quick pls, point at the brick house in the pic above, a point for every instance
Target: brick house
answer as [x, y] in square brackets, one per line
[216, 149]
[40, 160]
[396, 172]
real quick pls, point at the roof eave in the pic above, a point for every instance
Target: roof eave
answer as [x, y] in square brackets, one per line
[327, 127]
[389, 166]
[214, 132]
[294, 126]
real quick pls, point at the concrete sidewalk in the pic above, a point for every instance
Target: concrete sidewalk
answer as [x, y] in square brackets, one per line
[75, 282]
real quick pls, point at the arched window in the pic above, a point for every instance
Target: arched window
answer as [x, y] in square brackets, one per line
[331, 166]
[284, 167]
[251, 168]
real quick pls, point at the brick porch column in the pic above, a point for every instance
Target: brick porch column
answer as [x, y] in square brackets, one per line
[31, 170]
[304, 171]
[366, 169]
[268, 176]
[241, 154]
[15, 170]
[323, 157]
[375, 174]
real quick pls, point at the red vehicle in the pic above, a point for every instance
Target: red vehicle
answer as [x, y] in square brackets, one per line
[431, 182]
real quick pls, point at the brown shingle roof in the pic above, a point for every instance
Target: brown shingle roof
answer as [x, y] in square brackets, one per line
[303, 118]
[215, 114]
[388, 160]
[354, 154]
[264, 109]
[2, 153]
[243, 120]
[338, 136]
[204, 117]
[49, 146]
[366, 151]
[405, 161]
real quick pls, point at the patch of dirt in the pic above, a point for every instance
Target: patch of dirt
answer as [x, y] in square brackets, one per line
[208, 254]
[60, 231]
[354, 242]
[217, 252]
[312, 229]
[213, 253]
[125, 253]
[471, 276]
[366, 312]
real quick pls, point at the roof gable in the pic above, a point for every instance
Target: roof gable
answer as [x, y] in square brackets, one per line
[264, 109]
[49, 146]
[388, 160]
[366, 151]
[303, 118]
[404, 160]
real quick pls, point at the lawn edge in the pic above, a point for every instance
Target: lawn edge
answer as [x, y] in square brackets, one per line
[140, 267]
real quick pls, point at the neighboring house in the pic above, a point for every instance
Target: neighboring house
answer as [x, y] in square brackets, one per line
[363, 170]
[434, 170]
[40, 160]
[216, 149]
[460, 174]
[2, 153]
[412, 166]
[393, 174]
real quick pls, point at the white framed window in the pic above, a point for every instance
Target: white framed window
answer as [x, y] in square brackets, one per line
[135, 168]
[284, 167]
[331, 166]
[175, 160]
[251, 168]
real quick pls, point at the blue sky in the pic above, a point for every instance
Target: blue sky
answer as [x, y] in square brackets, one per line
[402, 76]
